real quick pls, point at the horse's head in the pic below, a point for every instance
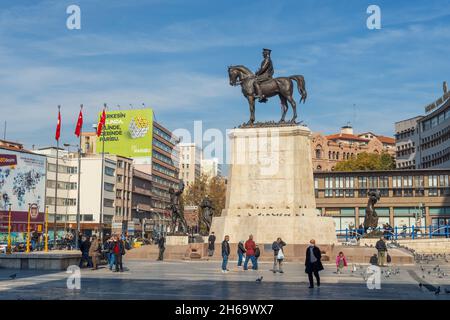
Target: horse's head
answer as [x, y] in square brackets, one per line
[233, 75]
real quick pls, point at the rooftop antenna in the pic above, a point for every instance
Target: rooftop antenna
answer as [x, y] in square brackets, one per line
[354, 115]
[4, 131]
[131, 106]
[118, 106]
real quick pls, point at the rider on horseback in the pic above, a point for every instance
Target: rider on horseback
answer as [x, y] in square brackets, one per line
[264, 73]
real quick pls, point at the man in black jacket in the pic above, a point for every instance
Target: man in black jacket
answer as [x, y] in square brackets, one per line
[382, 249]
[225, 253]
[312, 263]
[276, 247]
[211, 242]
[84, 248]
[162, 248]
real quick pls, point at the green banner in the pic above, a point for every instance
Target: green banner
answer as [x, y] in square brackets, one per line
[128, 133]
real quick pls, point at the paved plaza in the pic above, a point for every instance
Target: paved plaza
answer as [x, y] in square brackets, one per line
[203, 280]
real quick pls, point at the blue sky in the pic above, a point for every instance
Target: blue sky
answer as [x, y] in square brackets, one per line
[173, 56]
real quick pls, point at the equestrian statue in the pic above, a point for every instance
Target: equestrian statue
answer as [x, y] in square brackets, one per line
[261, 85]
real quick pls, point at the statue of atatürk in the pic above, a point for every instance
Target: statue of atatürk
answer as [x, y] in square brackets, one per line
[264, 73]
[371, 218]
[207, 212]
[261, 85]
[175, 207]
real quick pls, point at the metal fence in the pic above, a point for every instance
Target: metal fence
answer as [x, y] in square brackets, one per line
[397, 233]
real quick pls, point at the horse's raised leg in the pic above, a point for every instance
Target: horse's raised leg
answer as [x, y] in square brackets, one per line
[251, 104]
[294, 107]
[284, 107]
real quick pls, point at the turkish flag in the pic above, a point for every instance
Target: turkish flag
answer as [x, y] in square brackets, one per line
[58, 127]
[101, 123]
[79, 123]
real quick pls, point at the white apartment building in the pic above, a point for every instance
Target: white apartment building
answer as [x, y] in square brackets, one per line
[190, 162]
[211, 167]
[90, 191]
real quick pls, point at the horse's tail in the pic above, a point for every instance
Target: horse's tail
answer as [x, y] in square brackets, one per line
[300, 86]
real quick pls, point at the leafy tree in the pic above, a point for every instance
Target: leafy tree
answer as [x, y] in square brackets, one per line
[214, 187]
[367, 162]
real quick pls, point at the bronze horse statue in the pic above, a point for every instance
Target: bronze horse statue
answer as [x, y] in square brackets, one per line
[281, 86]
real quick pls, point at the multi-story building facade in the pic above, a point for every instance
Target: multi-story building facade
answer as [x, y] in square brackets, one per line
[407, 142]
[165, 167]
[190, 162]
[123, 203]
[328, 150]
[92, 209]
[424, 141]
[162, 167]
[405, 196]
[211, 167]
[143, 210]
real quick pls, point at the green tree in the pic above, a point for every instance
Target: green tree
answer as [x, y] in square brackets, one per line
[367, 162]
[214, 187]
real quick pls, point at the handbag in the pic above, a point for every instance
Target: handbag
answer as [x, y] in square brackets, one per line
[280, 255]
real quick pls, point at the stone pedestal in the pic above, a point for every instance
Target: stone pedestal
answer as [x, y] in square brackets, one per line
[177, 240]
[270, 190]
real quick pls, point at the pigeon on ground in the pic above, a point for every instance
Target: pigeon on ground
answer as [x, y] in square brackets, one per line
[13, 276]
[423, 276]
[259, 279]
[438, 291]
[420, 285]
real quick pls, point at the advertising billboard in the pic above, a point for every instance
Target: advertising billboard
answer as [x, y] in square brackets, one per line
[22, 184]
[127, 133]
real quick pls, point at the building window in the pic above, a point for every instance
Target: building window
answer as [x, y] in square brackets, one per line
[339, 186]
[396, 182]
[108, 203]
[328, 187]
[349, 187]
[432, 185]
[318, 153]
[109, 171]
[88, 217]
[109, 187]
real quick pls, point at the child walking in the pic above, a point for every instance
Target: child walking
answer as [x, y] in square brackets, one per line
[341, 262]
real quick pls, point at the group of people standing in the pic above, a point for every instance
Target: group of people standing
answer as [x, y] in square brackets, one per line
[92, 250]
[313, 256]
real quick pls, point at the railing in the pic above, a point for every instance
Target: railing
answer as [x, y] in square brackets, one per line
[397, 233]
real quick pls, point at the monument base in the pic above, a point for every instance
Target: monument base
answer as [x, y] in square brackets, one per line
[266, 229]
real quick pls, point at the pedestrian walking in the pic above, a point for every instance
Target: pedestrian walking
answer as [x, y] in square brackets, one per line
[94, 252]
[225, 253]
[211, 241]
[84, 248]
[313, 263]
[162, 247]
[382, 251]
[250, 247]
[240, 252]
[278, 255]
[341, 262]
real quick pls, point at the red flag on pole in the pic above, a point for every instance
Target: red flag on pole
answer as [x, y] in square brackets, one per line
[101, 123]
[79, 123]
[58, 125]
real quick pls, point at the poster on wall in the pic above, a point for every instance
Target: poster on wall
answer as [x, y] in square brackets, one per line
[127, 133]
[22, 185]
